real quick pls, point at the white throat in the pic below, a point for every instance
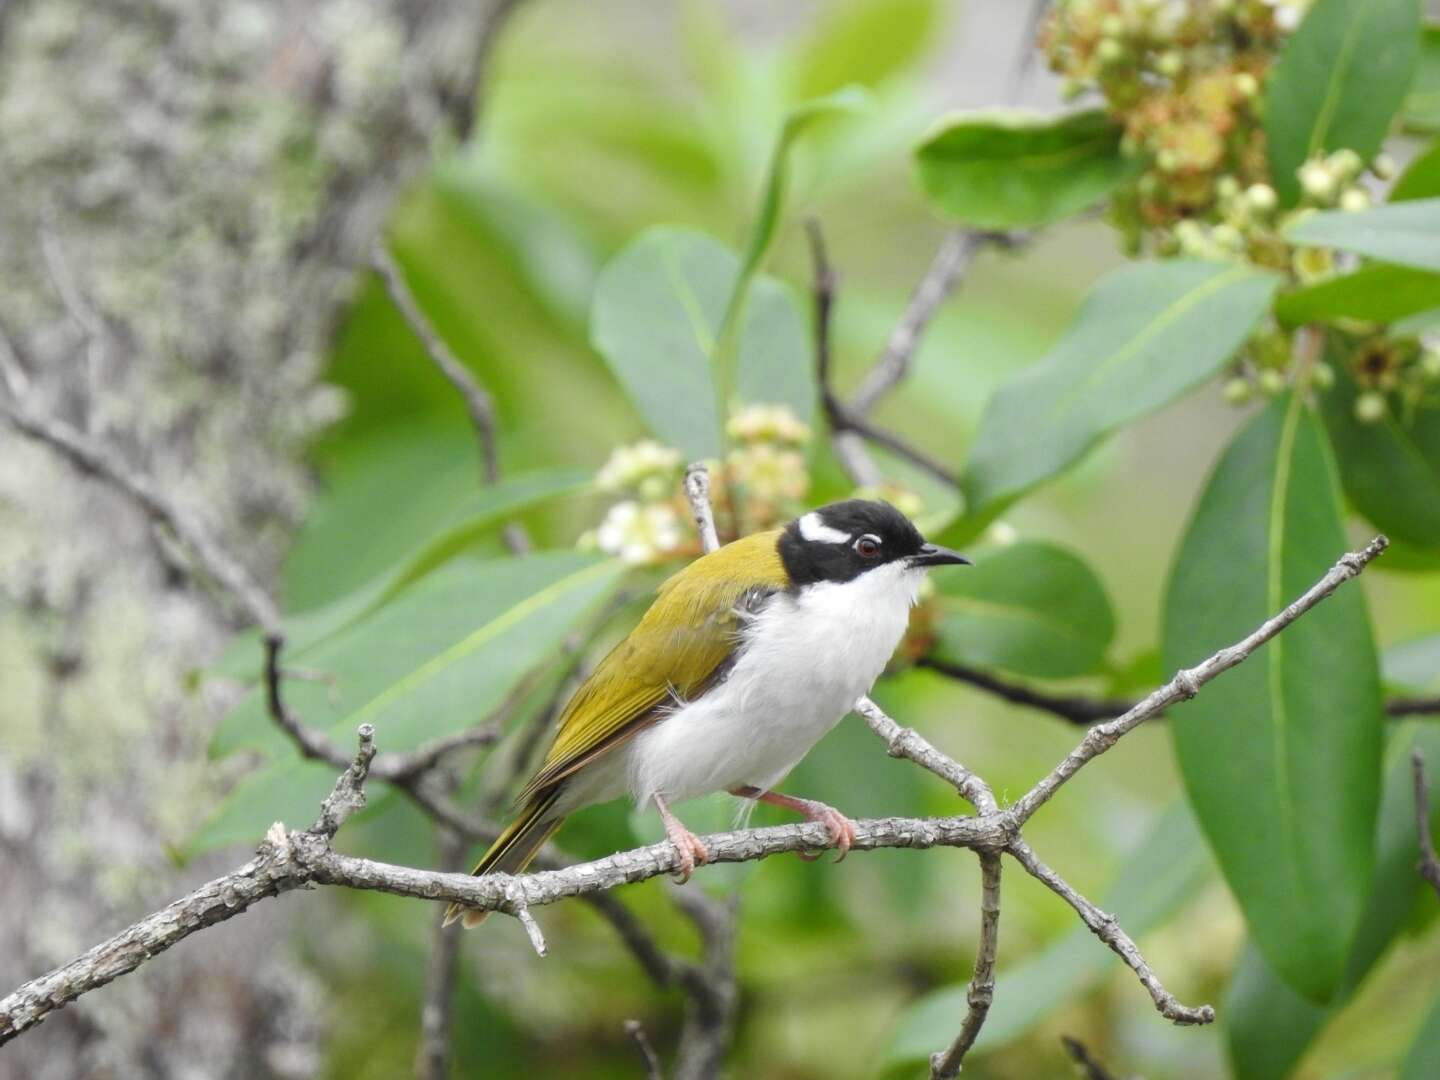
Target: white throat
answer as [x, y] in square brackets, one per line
[804, 659]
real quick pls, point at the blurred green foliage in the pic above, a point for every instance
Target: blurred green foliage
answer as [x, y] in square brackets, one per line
[584, 258]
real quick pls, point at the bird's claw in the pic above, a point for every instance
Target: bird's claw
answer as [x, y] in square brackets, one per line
[691, 851]
[840, 828]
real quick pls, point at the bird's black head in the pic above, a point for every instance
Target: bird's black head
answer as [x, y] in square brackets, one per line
[841, 541]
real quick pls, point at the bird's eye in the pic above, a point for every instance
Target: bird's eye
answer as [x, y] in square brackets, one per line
[867, 547]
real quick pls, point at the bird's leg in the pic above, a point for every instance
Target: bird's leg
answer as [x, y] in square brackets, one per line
[840, 827]
[687, 845]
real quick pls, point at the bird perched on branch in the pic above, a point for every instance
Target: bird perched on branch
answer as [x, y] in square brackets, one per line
[745, 659]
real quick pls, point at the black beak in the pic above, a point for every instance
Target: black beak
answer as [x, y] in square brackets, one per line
[935, 555]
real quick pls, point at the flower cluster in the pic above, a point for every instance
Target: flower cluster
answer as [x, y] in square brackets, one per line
[763, 479]
[1183, 78]
[766, 467]
[1394, 376]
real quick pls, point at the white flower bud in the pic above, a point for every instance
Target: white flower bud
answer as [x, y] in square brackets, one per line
[1370, 407]
[1246, 85]
[1261, 198]
[1322, 375]
[1170, 63]
[1345, 164]
[1238, 390]
[1383, 166]
[1354, 199]
[1317, 181]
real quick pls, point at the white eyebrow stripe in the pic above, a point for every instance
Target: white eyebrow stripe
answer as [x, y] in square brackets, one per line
[815, 530]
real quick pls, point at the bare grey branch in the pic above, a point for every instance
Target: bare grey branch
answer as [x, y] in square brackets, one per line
[102, 462]
[981, 992]
[1429, 865]
[1186, 683]
[1104, 926]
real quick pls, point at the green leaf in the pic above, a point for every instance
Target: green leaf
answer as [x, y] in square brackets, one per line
[1413, 665]
[1407, 233]
[846, 100]
[863, 41]
[1421, 178]
[1145, 335]
[289, 791]
[1391, 468]
[1031, 608]
[460, 525]
[1268, 1024]
[1338, 82]
[471, 518]
[1421, 111]
[1377, 293]
[439, 657]
[1164, 873]
[1281, 755]
[1425, 1050]
[1007, 169]
[657, 316]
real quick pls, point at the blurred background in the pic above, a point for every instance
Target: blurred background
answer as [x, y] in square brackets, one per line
[191, 191]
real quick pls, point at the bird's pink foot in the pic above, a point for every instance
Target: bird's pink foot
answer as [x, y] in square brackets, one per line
[691, 851]
[840, 827]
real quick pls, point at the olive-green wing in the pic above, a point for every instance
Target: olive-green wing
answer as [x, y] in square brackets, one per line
[674, 654]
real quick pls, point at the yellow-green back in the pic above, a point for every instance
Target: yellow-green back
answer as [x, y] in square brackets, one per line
[682, 641]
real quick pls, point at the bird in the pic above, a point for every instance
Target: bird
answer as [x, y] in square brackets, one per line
[743, 661]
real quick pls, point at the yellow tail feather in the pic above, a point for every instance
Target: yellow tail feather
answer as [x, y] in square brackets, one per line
[513, 850]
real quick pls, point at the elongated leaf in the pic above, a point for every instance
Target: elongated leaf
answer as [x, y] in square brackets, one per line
[1391, 468]
[1269, 1025]
[1377, 293]
[440, 656]
[1280, 756]
[1338, 82]
[658, 313]
[1413, 665]
[863, 41]
[1145, 335]
[1421, 178]
[1033, 609]
[1005, 169]
[1166, 871]
[1424, 1052]
[471, 518]
[1421, 111]
[1407, 233]
[848, 99]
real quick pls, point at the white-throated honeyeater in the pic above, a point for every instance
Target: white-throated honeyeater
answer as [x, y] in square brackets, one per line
[745, 659]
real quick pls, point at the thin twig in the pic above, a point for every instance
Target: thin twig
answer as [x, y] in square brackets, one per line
[103, 462]
[697, 491]
[1186, 683]
[981, 991]
[710, 990]
[1074, 708]
[648, 1058]
[1429, 864]
[1407, 706]
[12, 371]
[1090, 1069]
[1082, 710]
[842, 419]
[432, 1057]
[478, 402]
[1103, 925]
[903, 742]
[952, 259]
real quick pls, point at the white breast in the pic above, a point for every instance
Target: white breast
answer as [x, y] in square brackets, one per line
[804, 659]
